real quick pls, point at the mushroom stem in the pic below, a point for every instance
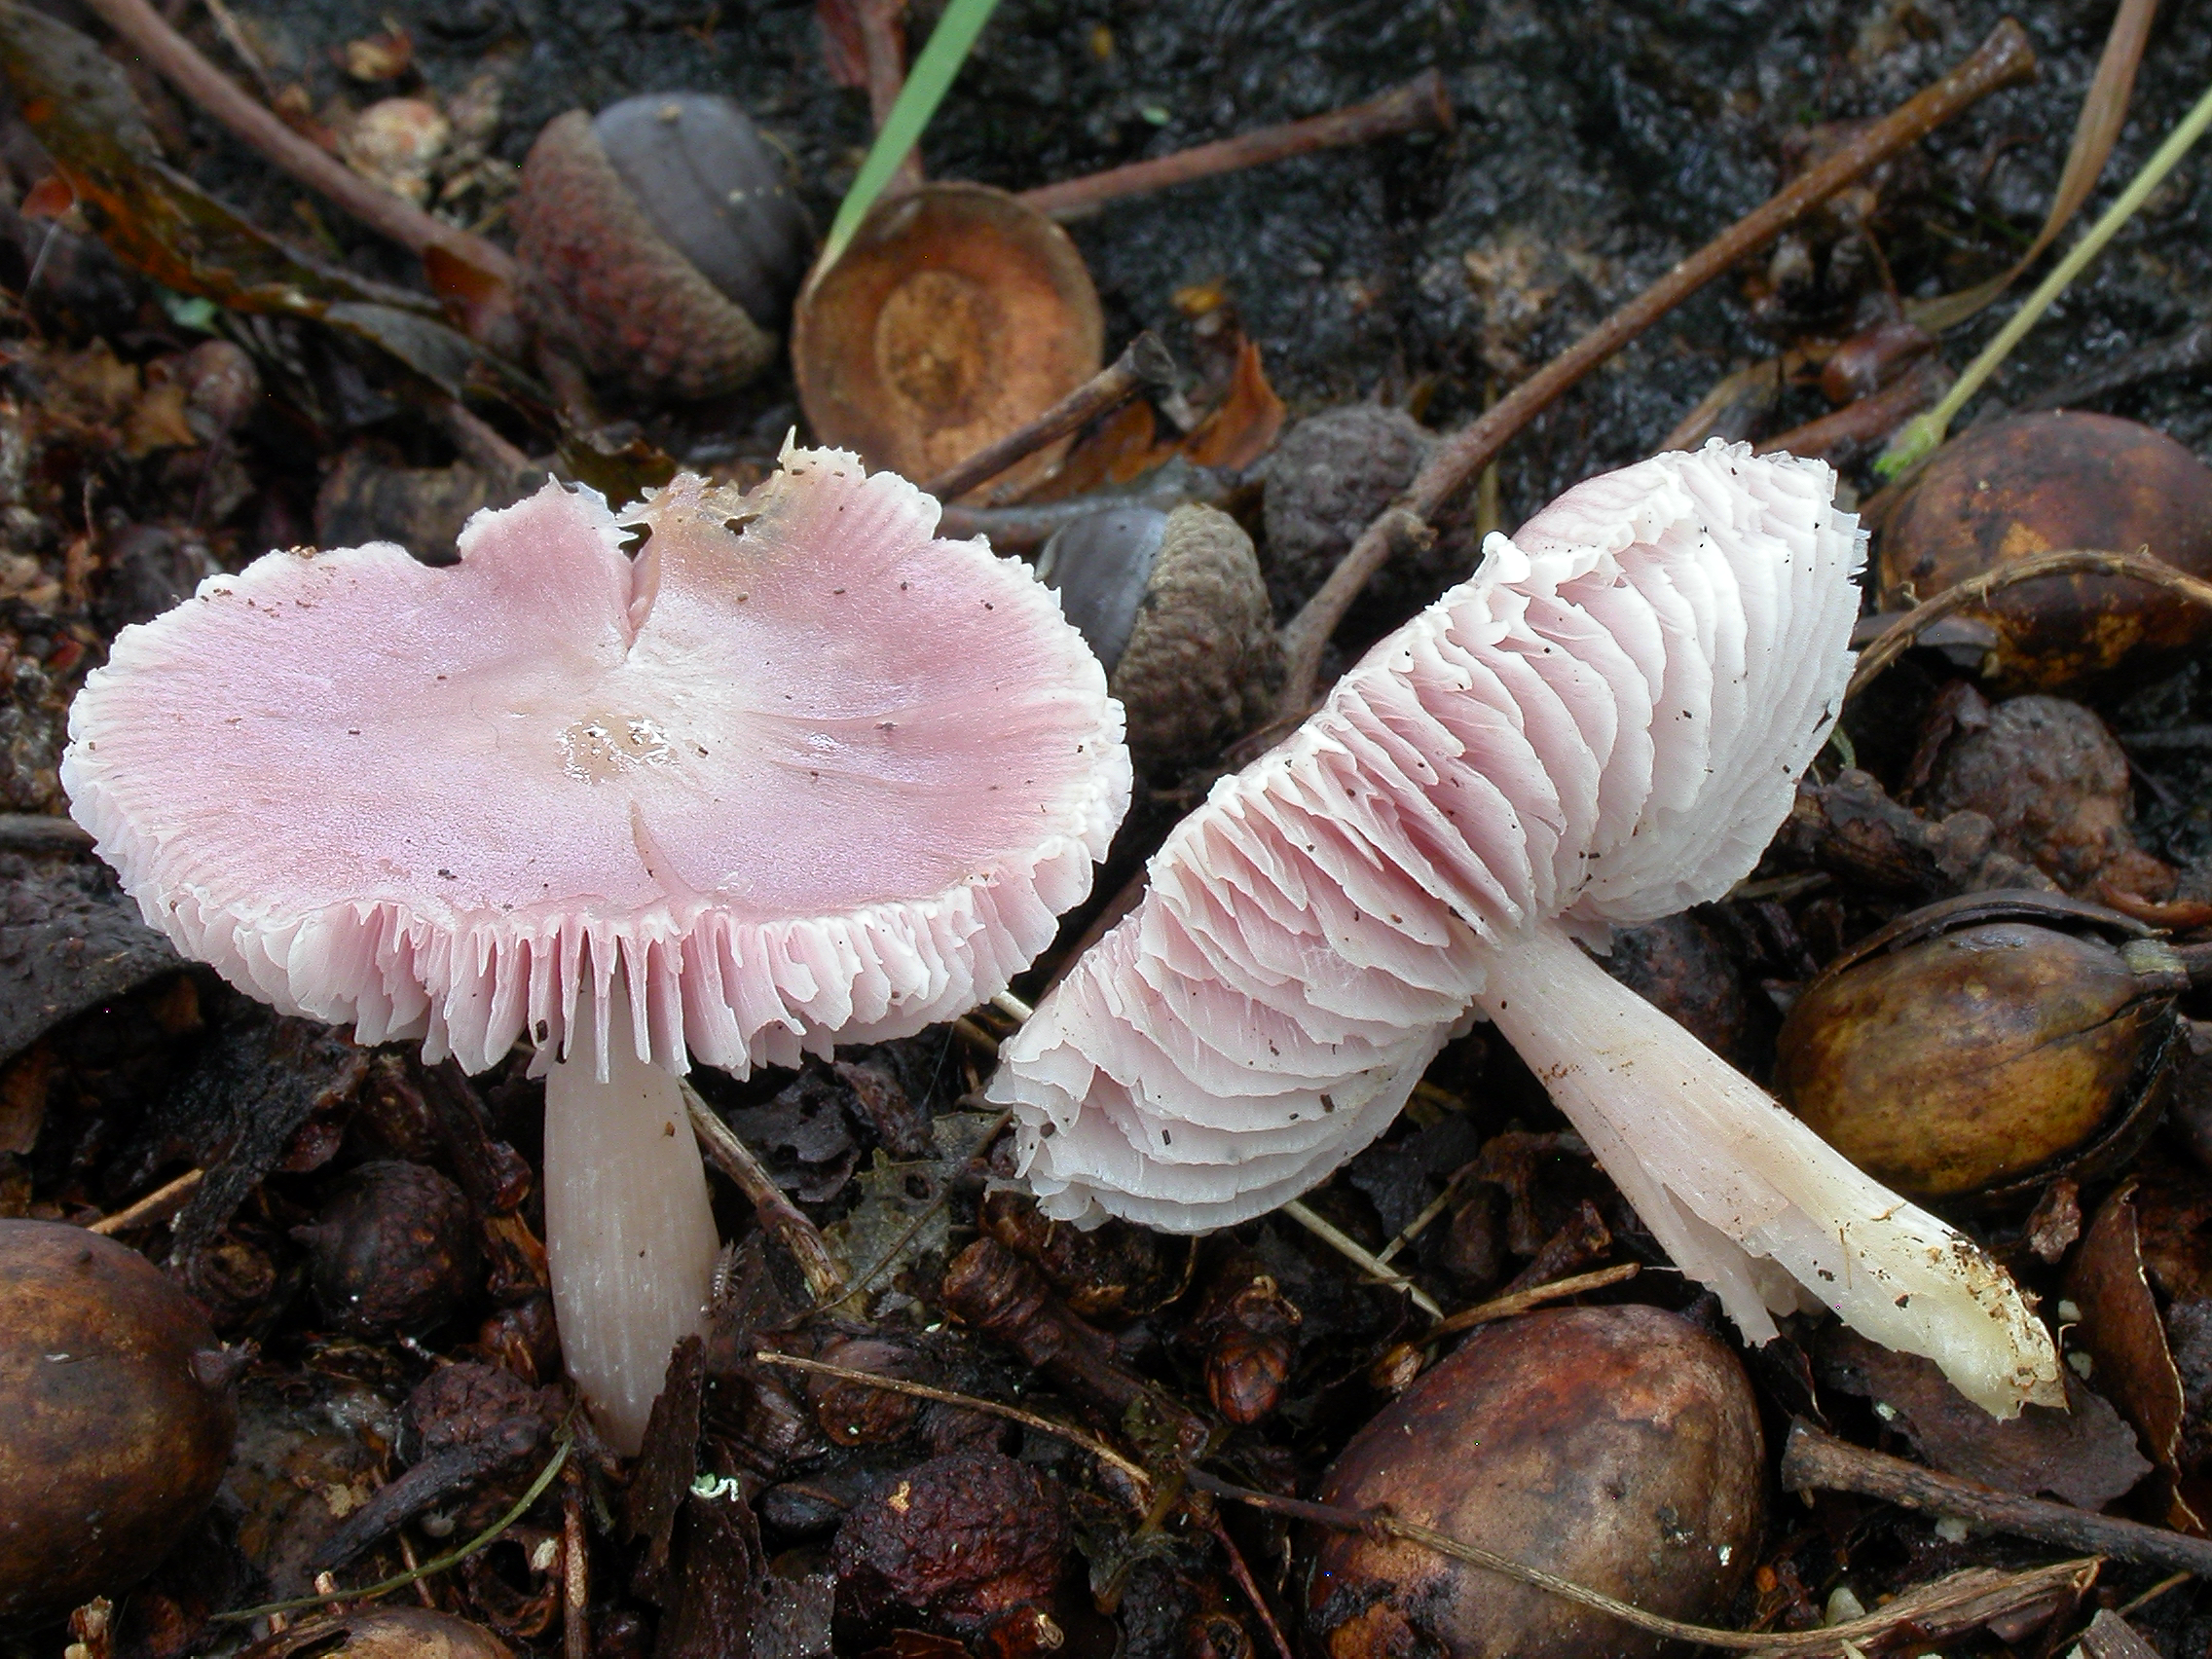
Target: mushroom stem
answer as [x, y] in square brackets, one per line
[629, 1234]
[1743, 1196]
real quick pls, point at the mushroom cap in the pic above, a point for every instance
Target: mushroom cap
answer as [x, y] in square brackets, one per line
[1602, 725]
[819, 777]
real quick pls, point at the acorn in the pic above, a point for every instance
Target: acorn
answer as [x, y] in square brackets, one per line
[955, 316]
[1174, 605]
[1617, 1447]
[2034, 483]
[395, 1249]
[661, 243]
[118, 1417]
[1978, 1047]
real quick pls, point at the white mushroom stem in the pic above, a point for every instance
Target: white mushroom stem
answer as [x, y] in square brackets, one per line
[1742, 1196]
[629, 1232]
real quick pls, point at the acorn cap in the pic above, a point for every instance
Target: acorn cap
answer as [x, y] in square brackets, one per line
[956, 315]
[1175, 608]
[605, 282]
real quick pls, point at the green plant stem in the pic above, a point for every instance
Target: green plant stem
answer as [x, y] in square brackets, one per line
[1922, 434]
[488, 1536]
[926, 83]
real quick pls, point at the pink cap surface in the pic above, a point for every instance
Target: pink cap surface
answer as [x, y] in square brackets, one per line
[819, 777]
[1603, 725]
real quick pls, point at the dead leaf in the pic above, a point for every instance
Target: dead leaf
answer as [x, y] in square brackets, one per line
[2084, 1455]
[158, 422]
[1247, 422]
[2125, 1340]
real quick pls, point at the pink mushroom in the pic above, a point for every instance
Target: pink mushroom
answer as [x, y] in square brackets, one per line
[819, 777]
[1603, 727]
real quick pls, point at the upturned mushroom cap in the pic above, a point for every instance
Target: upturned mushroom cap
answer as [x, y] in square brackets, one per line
[1603, 725]
[820, 776]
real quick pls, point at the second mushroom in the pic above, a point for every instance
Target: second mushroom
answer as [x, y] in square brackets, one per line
[820, 776]
[1603, 727]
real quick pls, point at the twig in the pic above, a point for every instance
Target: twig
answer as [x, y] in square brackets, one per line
[1815, 1461]
[42, 832]
[883, 45]
[778, 1214]
[2001, 60]
[178, 61]
[1535, 1295]
[159, 1205]
[387, 1585]
[1098, 1449]
[480, 443]
[1144, 364]
[1420, 105]
[1360, 1256]
[1243, 1576]
[1960, 1601]
[2061, 562]
[576, 1574]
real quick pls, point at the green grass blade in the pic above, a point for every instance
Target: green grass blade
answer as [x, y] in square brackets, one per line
[917, 101]
[1922, 434]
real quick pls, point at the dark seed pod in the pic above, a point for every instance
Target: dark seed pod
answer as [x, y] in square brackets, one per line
[1979, 1046]
[2034, 483]
[1174, 605]
[118, 1413]
[661, 243]
[1617, 1447]
[395, 1249]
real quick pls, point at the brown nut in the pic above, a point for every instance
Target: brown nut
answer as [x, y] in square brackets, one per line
[660, 244]
[2033, 483]
[1978, 1047]
[956, 315]
[1617, 1447]
[119, 1418]
[1174, 607]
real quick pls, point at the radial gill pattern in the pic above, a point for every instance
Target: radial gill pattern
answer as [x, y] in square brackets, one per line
[1602, 725]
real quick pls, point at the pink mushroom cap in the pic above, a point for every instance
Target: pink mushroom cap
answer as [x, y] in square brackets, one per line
[821, 776]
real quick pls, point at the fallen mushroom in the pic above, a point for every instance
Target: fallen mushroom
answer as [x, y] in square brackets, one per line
[748, 793]
[1603, 725]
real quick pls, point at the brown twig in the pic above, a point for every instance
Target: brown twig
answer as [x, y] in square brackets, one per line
[2002, 60]
[2141, 566]
[1535, 1295]
[1962, 1600]
[778, 1214]
[159, 1205]
[1098, 1449]
[884, 47]
[479, 442]
[1815, 1461]
[42, 832]
[1143, 364]
[1867, 421]
[1420, 105]
[575, 1574]
[179, 63]
[1245, 1582]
